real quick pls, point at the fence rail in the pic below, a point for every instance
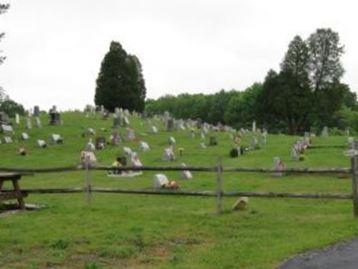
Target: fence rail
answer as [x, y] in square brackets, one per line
[218, 169]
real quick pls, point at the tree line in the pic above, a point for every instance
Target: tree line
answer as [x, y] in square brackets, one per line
[304, 95]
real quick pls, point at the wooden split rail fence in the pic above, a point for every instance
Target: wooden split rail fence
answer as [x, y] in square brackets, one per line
[218, 193]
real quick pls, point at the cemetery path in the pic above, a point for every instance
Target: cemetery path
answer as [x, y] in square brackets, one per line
[344, 255]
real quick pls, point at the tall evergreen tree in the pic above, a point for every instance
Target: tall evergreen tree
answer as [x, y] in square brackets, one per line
[120, 82]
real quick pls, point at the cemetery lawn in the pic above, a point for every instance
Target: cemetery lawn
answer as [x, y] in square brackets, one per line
[143, 231]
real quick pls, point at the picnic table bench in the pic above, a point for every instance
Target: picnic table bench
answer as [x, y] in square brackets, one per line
[16, 193]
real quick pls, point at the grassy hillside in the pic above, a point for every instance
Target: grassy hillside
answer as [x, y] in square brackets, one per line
[133, 231]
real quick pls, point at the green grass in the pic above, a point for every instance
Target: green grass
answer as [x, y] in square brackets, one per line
[143, 231]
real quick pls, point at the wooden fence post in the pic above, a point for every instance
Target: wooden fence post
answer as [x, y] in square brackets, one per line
[219, 191]
[354, 166]
[88, 181]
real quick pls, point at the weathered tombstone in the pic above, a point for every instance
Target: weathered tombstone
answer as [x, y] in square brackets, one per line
[254, 143]
[36, 111]
[38, 123]
[324, 132]
[88, 159]
[154, 129]
[186, 174]
[169, 124]
[127, 151]
[100, 143]
[56, 139]
[202, 145]
[90, 146]
[115, 138]
[55, 116]
[295, 156]
[241, 204]
[213, 141]
[7, 129]
[254, 126]
[17, 119]
[4, 118]
[351, 143]
[25, 136]
[143, 146]
[130, 134]
[126, 121]
[41, 143]
[168, 154]
[116, 122]
[135, 161]
[160, 181]
[171, 141]
[28, 124]
[8, 139]
[279, 166]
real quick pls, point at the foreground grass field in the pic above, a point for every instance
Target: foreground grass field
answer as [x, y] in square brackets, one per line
[134, 231]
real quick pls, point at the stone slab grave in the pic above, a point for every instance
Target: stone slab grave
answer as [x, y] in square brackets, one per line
[25, 136]
[41, 143]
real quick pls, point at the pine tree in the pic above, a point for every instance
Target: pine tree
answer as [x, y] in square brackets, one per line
[120, 82]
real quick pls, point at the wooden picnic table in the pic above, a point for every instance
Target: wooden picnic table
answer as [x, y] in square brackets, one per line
[16, 193]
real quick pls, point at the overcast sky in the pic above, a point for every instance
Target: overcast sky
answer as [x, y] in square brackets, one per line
[54, 48]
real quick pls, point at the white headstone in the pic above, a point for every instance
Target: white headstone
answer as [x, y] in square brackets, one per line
[160, 180]
[7, 139]
[143, 146]
[41, 143]
[25, 136]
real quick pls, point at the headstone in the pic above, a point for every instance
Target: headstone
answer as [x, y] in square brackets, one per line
[41, 143]
[38, 123]
[213, 141]
[88, 158]
[295, 155]
[135, 161]
[100, 143]
[130, 134]
[25, 136]
[160, 181]
[168, 154]
[90, 146]
[115, 138]
[202, 145]
[154, 129]
[8, 139]
[143, 146]
[254, 126]
[324, 132]
[7, 129]
[186, 174]
[171, 141]
[4, 118]
[28, 124]
[254, 143]
[127, 151]
[241, 204]
[55, 116]
[116, 122]
[56, 139]
[169, 124]
[36, 111]
[279, 166]
[17, 119]
[126, 121]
